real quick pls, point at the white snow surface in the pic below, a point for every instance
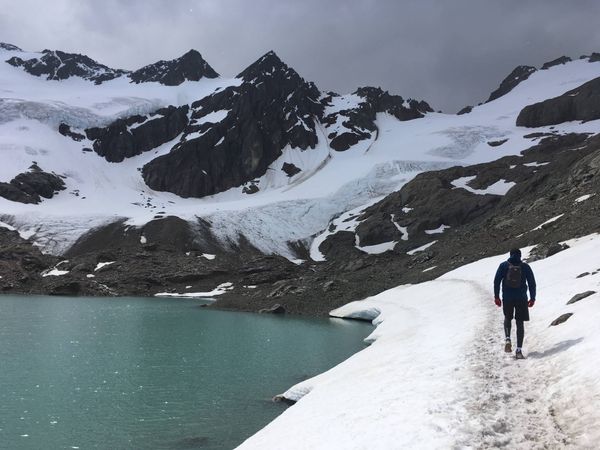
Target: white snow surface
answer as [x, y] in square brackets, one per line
[286, 208]
[500, 187]
[421, 248]
[583, 198]
[553, 219]
[435, 375]
[219, 290]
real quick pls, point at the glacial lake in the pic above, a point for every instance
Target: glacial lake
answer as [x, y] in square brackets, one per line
[152, 373]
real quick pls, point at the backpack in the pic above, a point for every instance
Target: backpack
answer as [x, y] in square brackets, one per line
[513, 276]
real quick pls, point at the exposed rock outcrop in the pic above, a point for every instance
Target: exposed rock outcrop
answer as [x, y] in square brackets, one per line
[465, 110]
[581, 103]
[9, 47]
[518, 75]
[236, 133]
[556, 62]
[58, 65]
[290, 169]
[30, 187]
[359, 120]
[65, 130]
[594, 57]
[125, 138]
[189, 67]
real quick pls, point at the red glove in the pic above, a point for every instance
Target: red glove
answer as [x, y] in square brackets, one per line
[498, 302]
[530, 303]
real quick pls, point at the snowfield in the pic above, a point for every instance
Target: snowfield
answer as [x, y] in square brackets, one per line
[435, 374]
[286, 208]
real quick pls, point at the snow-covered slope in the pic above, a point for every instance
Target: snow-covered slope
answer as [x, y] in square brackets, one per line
[435, 375]
[285, 208]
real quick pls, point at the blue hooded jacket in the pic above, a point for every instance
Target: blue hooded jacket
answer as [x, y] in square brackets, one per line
[527, 280]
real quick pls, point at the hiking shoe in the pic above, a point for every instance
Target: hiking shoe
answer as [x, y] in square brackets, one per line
[508, 346]
[519, 354]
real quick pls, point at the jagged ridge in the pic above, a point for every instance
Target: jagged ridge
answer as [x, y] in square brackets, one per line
[272, 108]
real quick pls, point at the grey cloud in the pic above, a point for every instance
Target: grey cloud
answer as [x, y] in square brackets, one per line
[450, 53]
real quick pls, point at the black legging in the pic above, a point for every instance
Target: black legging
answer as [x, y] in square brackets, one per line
[520, 330]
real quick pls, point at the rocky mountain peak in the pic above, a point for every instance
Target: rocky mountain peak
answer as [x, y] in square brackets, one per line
[519, 74]
[250, 124]
[189, 67]
[268, 65]
[59, 65]
[9, 47]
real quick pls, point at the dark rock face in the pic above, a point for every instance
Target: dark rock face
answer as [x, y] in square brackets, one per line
[582, 103]
[125, 138]
[359, 123]
[556, 62]
[594, 57]
[465, 110]
[519, 74]
[580, 297]
[29, 187]
[9, 47]
[65, 130]
[21, 263]
[189, 67]
[58, 65]
[433, 201]
[272, 108]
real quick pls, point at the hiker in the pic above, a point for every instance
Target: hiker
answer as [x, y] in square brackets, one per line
[515, 276]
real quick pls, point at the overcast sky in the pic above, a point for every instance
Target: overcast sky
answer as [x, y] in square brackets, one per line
[449, 52]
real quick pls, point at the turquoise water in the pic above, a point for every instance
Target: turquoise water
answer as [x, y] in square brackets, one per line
[147, 373]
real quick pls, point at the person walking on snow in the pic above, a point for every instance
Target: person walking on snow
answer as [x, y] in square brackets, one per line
[515, 277]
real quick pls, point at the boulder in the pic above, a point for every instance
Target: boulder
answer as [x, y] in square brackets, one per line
[290, 169]
[465, 110]
[545, 250]
[580, 296]
[561, 319]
